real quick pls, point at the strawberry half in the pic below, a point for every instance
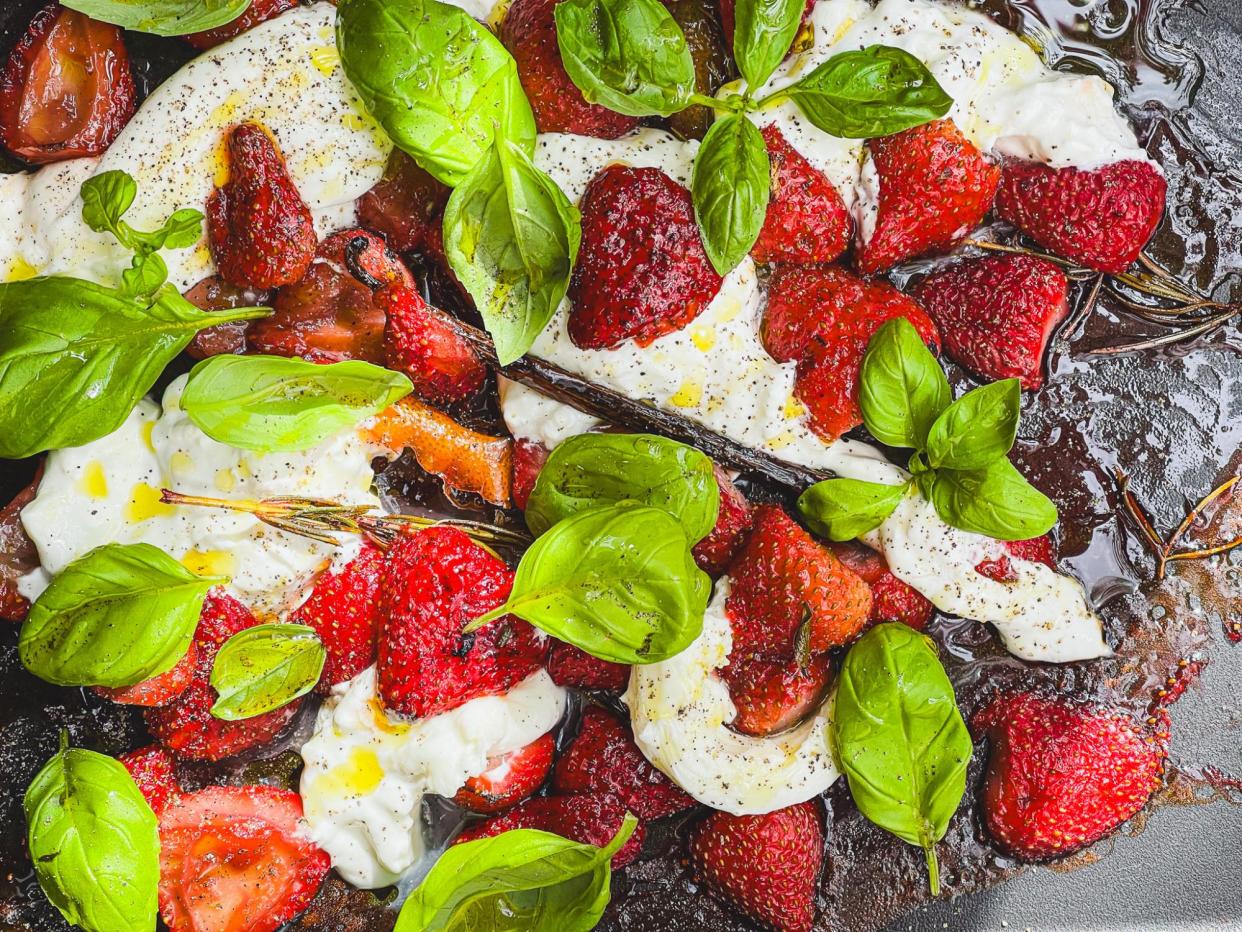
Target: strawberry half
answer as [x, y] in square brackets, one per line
[259, 11]
[1036, 549]
[772, 695]
[153, 771]
[508, 779]
[891, 599]
[18, 554]
[404, 205]
[422, 342]
[158, 690]
[528, 459]
[572, 666]
[733, 521]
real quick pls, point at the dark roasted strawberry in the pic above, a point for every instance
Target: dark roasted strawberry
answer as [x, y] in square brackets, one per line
[771, 695]
[807, 221]
[891, 599]
[366, 256]
[438, 580]
[259, 229]
[603, 758]
[765, 865]
[642, 271]
[327, 316]
[572, 666]
[508, 779]
[259, 11]
[715, 551]
[215, 294]
[528, 458]
[935, 188]
[153, 771]
[1036, 549]
[1101, 218]
[405, 205]
[158, 690]
[422, 342]
[1063, 774]
[18, 554]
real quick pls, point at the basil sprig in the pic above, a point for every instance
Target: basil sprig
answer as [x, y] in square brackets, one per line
[94, 842]
[960, 461]
[265, 667]
[119, 615]
[162, 17]
[900, 738]
[520, 879]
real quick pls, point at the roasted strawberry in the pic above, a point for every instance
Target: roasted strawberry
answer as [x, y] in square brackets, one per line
[715, 551]
[437, 581]
[366, 256]
[66, 90]
[405, 205]
[260, 231]
[508, 779]
[236, 859]
[591, 820]
[528, 458]
[528, 31]
[935, 187]
[765, 865]
[215, 294]
[772, 695]
[807, 221]
[603, 758]
[158, 690]
[1036, 549]
[259, 11]
[186, 726]
[152, 769]
[891, 599]
[1101, 218]
[18, 555]
[1063, 774]
[327, 316]
[642, 271]
[422, 342]
[572, 666]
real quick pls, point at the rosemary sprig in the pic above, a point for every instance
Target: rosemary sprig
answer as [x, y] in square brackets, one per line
[1164, 549]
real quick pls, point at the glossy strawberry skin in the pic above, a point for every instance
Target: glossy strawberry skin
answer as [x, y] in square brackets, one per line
[524, 771]
[18, 555]
[1036, 549]
[574, 667]
[153, 771]
[716, 551]
[158, 690]
[326, 316]
[642, 271]
[422, 342]
[772, 695]
[891, 599]
[259, 11]
[528, 459]
[404, 205]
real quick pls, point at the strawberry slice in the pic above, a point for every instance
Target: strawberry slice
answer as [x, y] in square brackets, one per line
[642, 271]
[259, 11]
[235, 859]
[806, 221]
[572, 666]
[716, 551]
[765, 865]
[508, 779]
[422, 342]
[891, 599]
[153, 770]
[18, 554]
[158, 690]
[772, 695]
[404, 205]
[935, 188]
[528, 458]
[1036, 549]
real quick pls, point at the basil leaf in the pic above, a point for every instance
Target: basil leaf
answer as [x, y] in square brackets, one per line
[144, 277]
[105, 199]
[265, 667]
[843, 509]
[996, 501]
[730, 187]
[619, 582]
[94, 842]
[628, 55]
[902, 388]
[900, 738]
[270, 403]
[437, 80]
[162, 17]
[978, 428]
[511, 237]
[520, 879]
[877, 91]
[763, 31]
[603, 469]
[119, 615]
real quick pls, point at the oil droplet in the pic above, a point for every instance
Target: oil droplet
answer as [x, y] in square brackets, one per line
[225, 480]
[689, 395]
[148, 427]
[326, 59]
[180, 461]
[360, 774]
[703, 337]
[20, 270]
[144, 504]
[94, 481]
[209, 562]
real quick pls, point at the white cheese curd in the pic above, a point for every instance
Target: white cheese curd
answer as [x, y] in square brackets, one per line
[109, 491]
[533, 416]
[284, 73]
[367, 772]
[681, 712]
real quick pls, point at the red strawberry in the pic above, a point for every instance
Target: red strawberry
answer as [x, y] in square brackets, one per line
[604, 759]
[259, 229]
[765, 865]
[771, 695]
[158, 690]
[1036, 549]
[1063, 774]
[806, 221]
[259, 11]
[366, 256]
[236, 859]
[572, 666]
[642, 271]
[508, 779]
[1101, 218]
[152, 769]
[186, 726]
[18, 555]
[528, 458]
[404, 205]
[437, 581]
[528, 31]
[891, 599]
[591, 820]
[715, 551]
[783, 581]
[422, 342]
[935, 187]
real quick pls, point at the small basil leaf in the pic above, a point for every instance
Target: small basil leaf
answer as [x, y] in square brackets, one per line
[900, 738]
[144, 277]
[511, 237]
[978, 428]
[119, 615]
[618, 581]
[602, 469]
[996, 501]
[436, 79]
[902, 388]
[270, 403]
[179, 231]
[105, 199]
[843, 509]
[762, 34]
[162, 17]
[265, 667]
[877, 91]
[730, 187]
[94, 842]
[628, 55]
[520, 879]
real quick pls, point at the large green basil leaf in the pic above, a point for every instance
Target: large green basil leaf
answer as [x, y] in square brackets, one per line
[978, 428]
[843, 509]
[162, 17]
[902, 388]
[731, 184]
[119, 615]
[94, 842]
[441, 85]
[900, 738]
[877, 91]
[264, 668]
[996, 501]
[270, 403]
[763, 30]
[628, 55]
[511, 236]
[602, 469]
[517, 880]
[618, 581]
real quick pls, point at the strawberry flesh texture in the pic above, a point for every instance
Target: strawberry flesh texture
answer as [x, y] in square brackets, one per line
[158, 690]
[772, 695]
[18, 554]
[509, 779]
[642, 271]
[1036, 549]
[259, 11]
[891, 599]
[422, 342]
[528, 459]
[327, 316]
[572, 666]
[404, 205]
[153, 771]
[716, 551]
